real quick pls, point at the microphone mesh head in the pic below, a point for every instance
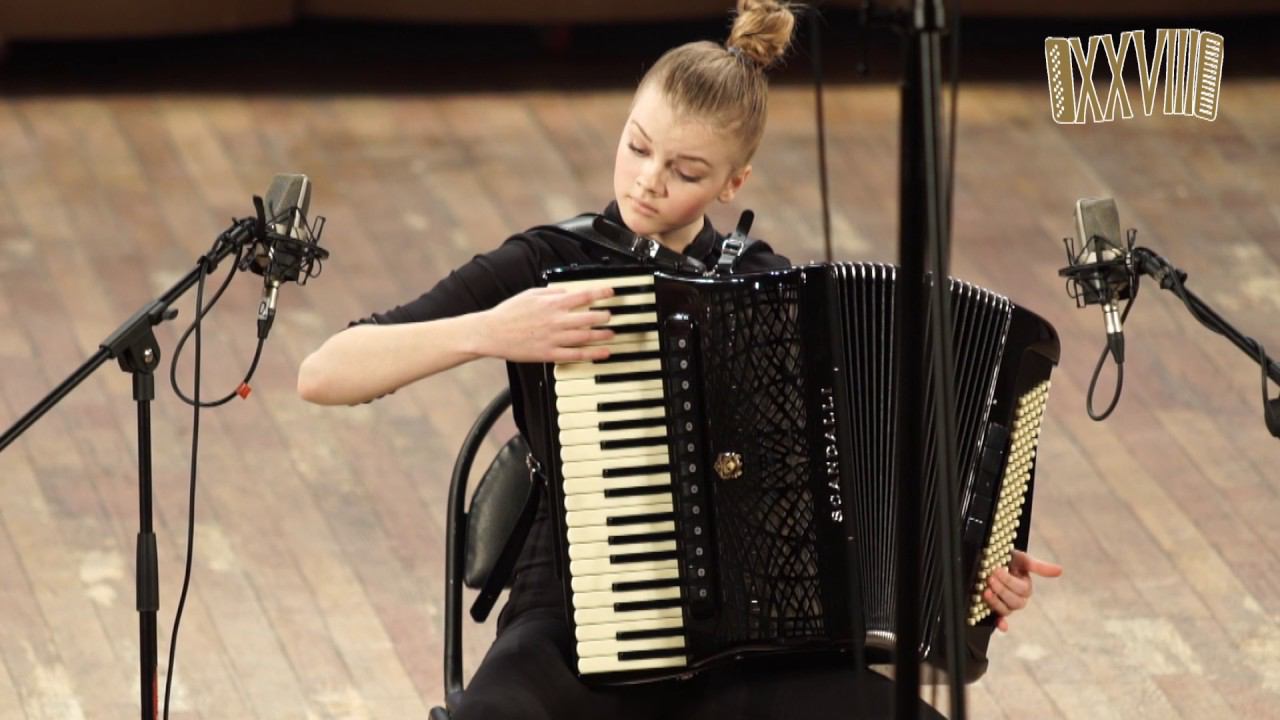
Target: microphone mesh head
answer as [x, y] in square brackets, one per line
[1098, 222]
[287, 201]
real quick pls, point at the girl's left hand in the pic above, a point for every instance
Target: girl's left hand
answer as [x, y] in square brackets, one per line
[1009, 589]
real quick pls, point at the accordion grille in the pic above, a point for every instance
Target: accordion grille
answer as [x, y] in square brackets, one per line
[751, 341]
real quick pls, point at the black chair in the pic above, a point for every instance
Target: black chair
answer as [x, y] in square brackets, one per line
[477, 535]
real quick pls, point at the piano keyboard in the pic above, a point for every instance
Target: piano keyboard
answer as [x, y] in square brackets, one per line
[620, 512]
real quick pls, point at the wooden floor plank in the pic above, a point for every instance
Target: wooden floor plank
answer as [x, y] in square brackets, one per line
[10, 702]
[24, 635]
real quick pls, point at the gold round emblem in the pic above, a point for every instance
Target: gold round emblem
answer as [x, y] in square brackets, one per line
[728, 465]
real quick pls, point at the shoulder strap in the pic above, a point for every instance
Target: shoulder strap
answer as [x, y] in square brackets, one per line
[603, 232]
[735, 246]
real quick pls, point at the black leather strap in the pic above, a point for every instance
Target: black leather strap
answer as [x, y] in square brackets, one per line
[506, 562]
[600, 230]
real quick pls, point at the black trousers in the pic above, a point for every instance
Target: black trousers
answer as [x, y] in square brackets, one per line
[526, 676]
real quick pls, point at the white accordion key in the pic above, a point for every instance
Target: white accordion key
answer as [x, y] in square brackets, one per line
[602, 533]
[594, 499]
[596, 468]
[584, 370]
[625, 337]
[588, 666]
[606, 648]
[573, 453]
[588, 403]
[593, 418]
[569, 388]
[595, 436]
[644, 318]
[590, 550]
[627, 300]
[614, 282]
[612, 630]
[605, 565]
[601, 615]
[597, 485]
[600, 516]
[595, 583]
[609, 598]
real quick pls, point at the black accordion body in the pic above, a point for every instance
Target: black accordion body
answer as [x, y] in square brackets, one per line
[724, 482]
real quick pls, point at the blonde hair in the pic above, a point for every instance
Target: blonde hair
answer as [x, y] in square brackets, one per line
[725, 85]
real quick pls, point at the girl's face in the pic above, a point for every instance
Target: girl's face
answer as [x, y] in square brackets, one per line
[669, 168]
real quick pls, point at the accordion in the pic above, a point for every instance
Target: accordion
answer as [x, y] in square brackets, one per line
[724, 483]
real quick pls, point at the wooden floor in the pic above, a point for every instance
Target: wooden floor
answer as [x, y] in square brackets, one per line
[317, 587]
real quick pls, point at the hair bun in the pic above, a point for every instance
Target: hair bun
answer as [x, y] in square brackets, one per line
[761, 31]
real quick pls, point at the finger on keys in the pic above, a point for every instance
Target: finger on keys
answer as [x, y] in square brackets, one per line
[995, 603]
[596, 318]
[1011, 598]
[583, 319]
[582, 336]
[585, 353]
[586, 296]
[1020, 584]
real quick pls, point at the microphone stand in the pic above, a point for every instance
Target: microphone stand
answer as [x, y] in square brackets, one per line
[1147, 262]
[133, 345]
[924, 238]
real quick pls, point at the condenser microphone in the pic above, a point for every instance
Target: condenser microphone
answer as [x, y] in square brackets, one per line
[1102, 267]
[275, 256]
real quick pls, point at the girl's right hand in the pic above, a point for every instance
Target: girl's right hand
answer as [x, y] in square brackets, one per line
[546, 325]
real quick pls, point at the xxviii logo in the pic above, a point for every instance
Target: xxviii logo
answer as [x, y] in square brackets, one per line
[1190, 62]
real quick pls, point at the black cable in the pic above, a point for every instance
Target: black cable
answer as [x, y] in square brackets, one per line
[815, 60]
[1097, 369]
[202, 311]
[1211, 320]
[191, 499]
[1093, 381]
[1268, 407]
[196, 324]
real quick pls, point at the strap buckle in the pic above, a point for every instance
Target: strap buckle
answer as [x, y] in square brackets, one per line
[735, 245]
[535, 467]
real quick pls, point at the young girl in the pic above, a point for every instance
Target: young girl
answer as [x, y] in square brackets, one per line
[696, 120]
